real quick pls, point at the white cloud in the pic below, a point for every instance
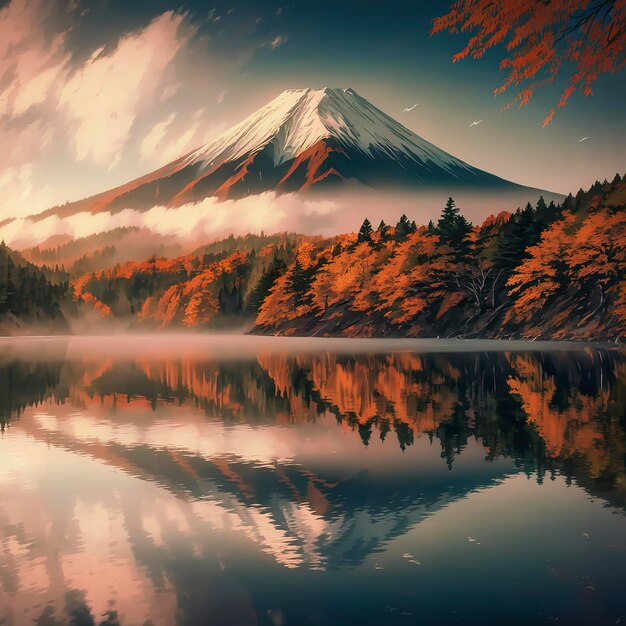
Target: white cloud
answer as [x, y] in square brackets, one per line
[179, 145]
[31, 61]
[173, 137]
[18, 188]
[79, 121]
[154, 138]
[104, 97]
[193, 223]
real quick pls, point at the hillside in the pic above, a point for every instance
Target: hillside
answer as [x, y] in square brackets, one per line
[553, 272]
[549, 271]
[222, 283]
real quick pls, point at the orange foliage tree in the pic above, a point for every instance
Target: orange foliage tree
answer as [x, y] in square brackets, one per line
[541, 38]
[584, 253]
[542, 275]
[599, 251]
[415, 277]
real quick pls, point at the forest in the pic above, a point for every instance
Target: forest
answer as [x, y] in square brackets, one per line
[32, 296]
[545, 271]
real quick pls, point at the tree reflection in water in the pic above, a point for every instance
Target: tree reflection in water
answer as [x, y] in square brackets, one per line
[260, 445]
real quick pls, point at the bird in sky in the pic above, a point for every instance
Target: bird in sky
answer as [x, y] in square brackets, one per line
[409, 109]
[583, 139]
[476, 123]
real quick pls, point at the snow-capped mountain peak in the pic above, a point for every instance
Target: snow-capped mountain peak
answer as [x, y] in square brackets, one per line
[302, 140]
[299, 118]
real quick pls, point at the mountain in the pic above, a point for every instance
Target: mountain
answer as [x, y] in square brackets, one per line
[302, 140]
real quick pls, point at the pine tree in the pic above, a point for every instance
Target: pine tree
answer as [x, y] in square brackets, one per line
[264, 284]
[581, 198]
[541, 207]
[403, 228]
[299, 283]
[365, 232]
[383, 231]
[569, 203]
[521, 232]
[453, 228]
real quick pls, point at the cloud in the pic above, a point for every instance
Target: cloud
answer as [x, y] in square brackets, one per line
[18, 188]
[80, 113]
[104, 97]
[192, 223]
[31, 61]
[154, 138]
[70, 115]
[174, 137]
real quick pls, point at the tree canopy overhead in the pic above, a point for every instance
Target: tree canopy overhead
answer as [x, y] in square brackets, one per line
[586, 38]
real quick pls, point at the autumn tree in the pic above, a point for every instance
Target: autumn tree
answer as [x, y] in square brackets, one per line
[544, 274]
[586, 38]
[597, 258]
[414, 278]
[200, 309]
[347, 279]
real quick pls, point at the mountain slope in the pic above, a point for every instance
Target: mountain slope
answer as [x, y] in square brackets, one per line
[304, 139]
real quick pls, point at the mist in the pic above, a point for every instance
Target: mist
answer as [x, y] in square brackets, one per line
[198, 223]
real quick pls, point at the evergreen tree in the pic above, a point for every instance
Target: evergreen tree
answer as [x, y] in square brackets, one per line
[522, 231]
[365, 432]
[383, 231]
[541, 207]
[569, 203]
[453, 229]
[299, 282]
[403, 228]
[365, 232]
[264, 284]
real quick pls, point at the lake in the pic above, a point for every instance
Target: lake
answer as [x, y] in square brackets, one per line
[235, 480]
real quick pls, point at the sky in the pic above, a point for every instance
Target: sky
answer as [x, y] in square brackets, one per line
[94, 93]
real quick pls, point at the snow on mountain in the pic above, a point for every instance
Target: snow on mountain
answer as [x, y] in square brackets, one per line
[299, 118]
[303, 140]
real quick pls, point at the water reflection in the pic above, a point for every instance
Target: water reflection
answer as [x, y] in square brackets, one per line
[179, 483]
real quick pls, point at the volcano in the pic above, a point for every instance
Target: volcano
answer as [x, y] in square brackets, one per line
[303, 140]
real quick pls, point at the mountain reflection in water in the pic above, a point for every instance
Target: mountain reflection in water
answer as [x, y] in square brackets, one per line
[231, 480]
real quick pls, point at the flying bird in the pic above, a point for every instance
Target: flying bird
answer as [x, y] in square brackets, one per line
[476, 123]
[583, 139]
[409, 109]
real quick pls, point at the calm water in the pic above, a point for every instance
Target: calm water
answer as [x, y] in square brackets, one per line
[279, 482]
